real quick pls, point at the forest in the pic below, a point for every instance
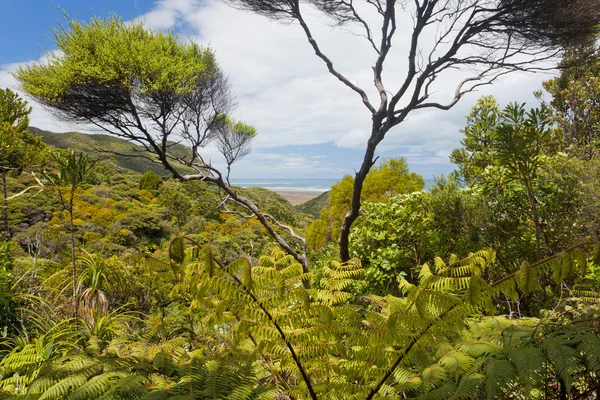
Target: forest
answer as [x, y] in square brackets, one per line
[132, 268]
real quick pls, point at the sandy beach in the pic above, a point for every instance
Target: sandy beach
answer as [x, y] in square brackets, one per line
[298, 196]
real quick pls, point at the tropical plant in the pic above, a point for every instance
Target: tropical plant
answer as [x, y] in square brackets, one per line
[69, 173]
[92, 286]
[338, 342]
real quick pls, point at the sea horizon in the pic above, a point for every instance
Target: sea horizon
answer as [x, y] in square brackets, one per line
[295, 184]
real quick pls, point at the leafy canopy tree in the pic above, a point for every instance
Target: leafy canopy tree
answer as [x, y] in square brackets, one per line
[513, 140]
[233, 141]
[18, 149]
[490, 37]
[476, 153]
[149, 181]
[151, 89]
[392, 177]
[177, 201]
[575, 101]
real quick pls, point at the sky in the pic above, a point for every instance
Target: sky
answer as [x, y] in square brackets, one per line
[309, 124]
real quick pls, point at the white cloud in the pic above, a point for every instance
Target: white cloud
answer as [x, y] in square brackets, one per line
[286, 92]
[167, 14]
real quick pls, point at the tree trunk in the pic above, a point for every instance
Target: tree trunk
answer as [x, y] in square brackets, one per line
[359, 180]
[73, 264]
[5, 192]
[536, 220]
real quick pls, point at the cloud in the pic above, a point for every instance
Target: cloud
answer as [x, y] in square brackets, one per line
[167, 14]
[287, 93]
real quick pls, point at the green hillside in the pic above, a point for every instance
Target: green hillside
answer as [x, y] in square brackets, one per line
[104, 147]
[313, 207]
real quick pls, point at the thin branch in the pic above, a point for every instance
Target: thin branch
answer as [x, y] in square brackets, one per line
[329, 63]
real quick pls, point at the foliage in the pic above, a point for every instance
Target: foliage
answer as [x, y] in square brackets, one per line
[318, 234]
[509, 137]
[267, 307]
[7, 312]
[149, 181]
[391, 177]
[314, 206]
[175, 199]
[412, 229]
[107, 53]
[180, 293]
[477, 151]
[485, 39]
[574, 101]
[149, 88]
[233, 140]
[71, 171]
[505, 150]
[18, 149]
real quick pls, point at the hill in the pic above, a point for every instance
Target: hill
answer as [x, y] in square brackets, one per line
[313, 207]
[112, 148]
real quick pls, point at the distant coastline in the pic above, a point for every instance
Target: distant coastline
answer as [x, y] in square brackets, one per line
[318, 185]
[296, 191]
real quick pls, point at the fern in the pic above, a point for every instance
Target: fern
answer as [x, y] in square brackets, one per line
[266, 333]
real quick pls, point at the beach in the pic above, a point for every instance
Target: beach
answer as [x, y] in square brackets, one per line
[298, 196]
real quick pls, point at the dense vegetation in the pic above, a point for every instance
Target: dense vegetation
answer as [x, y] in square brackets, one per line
[117, 282]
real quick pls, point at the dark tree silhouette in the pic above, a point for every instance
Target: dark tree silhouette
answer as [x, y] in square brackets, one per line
[488, 38]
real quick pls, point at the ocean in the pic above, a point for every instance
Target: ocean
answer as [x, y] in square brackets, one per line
[316, 185]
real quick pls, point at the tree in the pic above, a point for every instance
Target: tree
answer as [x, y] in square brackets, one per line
[149, 181]
[476, 154]
[491, 37]
[513, 140]
[520, 142]
[388, 179]
[149, 88]
[575, 102]
[233, 141]
[18, 149]
[70, 172]
[177, 201]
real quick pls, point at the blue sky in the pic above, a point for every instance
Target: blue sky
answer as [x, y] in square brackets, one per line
[310, 126]
[28, 24]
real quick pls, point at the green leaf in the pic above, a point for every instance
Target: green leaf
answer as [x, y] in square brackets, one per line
[580, 261]
[473, 294]
[177, 250]
[527, 278]
[209, 260]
